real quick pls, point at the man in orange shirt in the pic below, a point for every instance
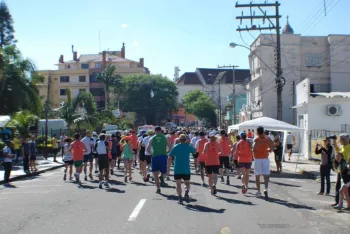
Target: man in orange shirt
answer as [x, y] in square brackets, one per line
[201, 156]
[134, 140]
[224, 158]
[262, 147]
[250, 134]
[77, 148]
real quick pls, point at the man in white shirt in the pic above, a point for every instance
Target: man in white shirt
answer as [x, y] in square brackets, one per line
[8, 156]
[195, 155]
[94, 152]
[88, 157]
[148, 154]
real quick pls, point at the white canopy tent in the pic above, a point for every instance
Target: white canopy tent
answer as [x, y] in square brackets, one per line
[4, 119]
[271, 125]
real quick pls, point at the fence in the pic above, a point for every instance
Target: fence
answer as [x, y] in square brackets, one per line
[316, 137]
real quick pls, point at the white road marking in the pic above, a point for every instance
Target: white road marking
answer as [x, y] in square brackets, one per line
[137, 210]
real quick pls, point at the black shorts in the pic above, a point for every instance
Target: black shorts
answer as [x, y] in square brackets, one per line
[95, 155]
[149, 159]
[32, 157]
[114, 156]
[289, 146]
[135, 151]
[202, 165]
[195, 155]
[103, 162]
[182, 176]
[224, 161]
[88, 158]
[70, 162]
[142, 155]
[212, 169]
[56, 151]
[236, 163]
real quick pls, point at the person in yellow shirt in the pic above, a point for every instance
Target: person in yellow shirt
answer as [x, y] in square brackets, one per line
[343, 147]
[55, 148]
[17, 147]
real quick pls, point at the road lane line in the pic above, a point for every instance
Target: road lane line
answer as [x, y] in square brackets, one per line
[137, 210]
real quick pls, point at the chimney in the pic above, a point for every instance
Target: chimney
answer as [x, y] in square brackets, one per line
[123, 51]
[61, 60]
[75, 56]
[142, 62]
[104, 61]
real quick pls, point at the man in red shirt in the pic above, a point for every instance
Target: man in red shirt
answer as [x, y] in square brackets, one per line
[77, 148]
[134, 139]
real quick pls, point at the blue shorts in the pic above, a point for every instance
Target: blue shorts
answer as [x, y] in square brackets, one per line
[88, 158]
[159, 163]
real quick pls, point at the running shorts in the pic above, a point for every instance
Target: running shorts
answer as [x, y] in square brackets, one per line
[128, 160]
[182, 176]
[32, 157]
[236, 163]
[88, 158]
[262, 166]
[78, 163]
[244, 165]
[159, 163]
[103, 161]
[289, 146]
[114, 156]
[69, 162]
[149, 159]
[134, 151]
[95, 155]
[195, 155]
[212, 169]
[224, 161]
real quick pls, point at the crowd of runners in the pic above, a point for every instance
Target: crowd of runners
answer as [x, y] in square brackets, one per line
[157, 153]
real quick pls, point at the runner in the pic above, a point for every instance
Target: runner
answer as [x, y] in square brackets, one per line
[195, 155]
[224, 158]
[148, 154]
[133, 141]
[103, 161]
[114, 151]
[88, 157]
[94, 141]
[261, 148]
[143, 162]
[212, 149]
[290, 142]
[62, 143]
[235, 156]
[33, 151]
[8, 156]
[201, 156]
[182, 171]
[244, 154]
[67, 159]
[77, 148]
[127, 158]
[159, 145]
[119, 150]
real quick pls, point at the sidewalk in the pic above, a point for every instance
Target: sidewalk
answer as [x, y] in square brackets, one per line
[304, 166]
[41, 164]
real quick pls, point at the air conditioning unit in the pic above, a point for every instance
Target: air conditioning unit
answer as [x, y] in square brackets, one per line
[333, 110]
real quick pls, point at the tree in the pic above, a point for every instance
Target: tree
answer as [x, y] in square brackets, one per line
[152, 97]
[110, 79]
[199, 104]
[21, 121]
[85, 111]
[18, 78]
[6, 26]
[67, 110]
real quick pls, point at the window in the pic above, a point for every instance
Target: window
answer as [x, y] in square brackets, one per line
[97, 91]
[313, 60]
[98, 65]
[84, 66]
[93, 78]
[82, 78]
[64, 79]
[82, 90]
[63, 92]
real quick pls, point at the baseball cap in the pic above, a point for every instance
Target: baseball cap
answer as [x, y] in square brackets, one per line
[243, 134]
[94, 133]
[149, 132]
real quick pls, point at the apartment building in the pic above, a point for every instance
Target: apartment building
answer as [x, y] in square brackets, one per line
[80, 73]
[322, 59]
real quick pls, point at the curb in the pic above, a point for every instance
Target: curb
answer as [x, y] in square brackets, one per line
[32, 174]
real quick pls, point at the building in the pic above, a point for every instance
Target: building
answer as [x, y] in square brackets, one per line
[217, 83]
[80, 74]
[322, 59]
[320, 114]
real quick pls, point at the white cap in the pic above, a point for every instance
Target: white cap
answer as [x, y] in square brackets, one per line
[94, 133]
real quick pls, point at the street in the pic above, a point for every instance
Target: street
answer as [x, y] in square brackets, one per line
[47, 204]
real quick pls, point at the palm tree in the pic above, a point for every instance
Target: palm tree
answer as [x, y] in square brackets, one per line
[67, 110]
[21, 121]
[110, 79]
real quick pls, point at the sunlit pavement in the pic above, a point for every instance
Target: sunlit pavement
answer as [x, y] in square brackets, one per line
[47, 204]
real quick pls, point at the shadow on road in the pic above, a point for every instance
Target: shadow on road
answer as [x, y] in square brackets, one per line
[175, 198]
[115, 190]
[283, 184]
[288, 204]
[308, 175]
[230, 200]
[226, 191]
[204, 209]
[116, 182]
[240, 186]
[85, 186]
[138, 183]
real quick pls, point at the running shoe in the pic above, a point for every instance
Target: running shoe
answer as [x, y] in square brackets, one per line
[130, 178]
[337, 207]
[90, 176]
[76, 178]
[158, 191]
[266, 195]
[228, 180]
[346, 208]
[107, 185]
[168, 178]
[222, 179]
[258, 194]
[187, 197]
[112, 172]
[96, 171]
[239, 177]
[85, 178]
[162, 183]
[204, 184]
[125, 179]
[180, 200]
[100, 185]
[65, 177]
[214, 190]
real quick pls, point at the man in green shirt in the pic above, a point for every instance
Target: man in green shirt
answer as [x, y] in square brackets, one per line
[160, 146]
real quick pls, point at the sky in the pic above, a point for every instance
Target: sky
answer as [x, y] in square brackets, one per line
[166, 33]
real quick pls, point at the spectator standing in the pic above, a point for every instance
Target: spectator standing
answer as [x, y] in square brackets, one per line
[326, 164]
[7, 163]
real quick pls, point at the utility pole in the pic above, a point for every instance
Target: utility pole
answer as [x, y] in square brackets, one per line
[47, 106]
[279, 80]
[233, 100]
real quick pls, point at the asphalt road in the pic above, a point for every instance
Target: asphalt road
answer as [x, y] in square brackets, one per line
[47, 204]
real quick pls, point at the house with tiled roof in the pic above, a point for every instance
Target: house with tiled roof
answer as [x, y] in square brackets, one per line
[80, 73]
[217, 83]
